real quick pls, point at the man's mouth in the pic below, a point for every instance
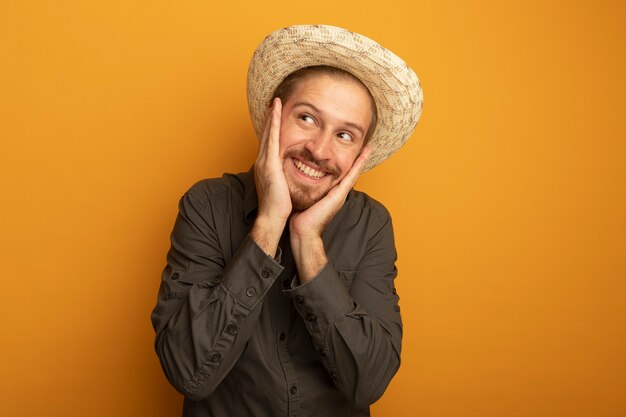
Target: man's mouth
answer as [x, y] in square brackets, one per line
[307, 170]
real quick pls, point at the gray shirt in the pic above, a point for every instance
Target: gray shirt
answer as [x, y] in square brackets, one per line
[238, 335]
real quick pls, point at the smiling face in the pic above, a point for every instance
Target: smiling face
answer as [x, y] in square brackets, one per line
[325, 119]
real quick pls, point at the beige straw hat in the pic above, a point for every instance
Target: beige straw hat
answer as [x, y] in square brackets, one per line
[393, 85]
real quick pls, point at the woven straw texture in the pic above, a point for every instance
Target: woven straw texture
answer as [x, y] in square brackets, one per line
[393, 85]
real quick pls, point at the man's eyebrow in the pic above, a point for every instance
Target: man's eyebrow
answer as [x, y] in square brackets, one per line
[315, 109]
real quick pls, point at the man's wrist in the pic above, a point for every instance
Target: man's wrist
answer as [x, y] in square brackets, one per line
[309, 255]
[266, 233]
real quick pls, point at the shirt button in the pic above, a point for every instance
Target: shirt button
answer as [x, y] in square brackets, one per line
[232, 329]
[310, 317]
[333, 376]
[287, 283]
[215, 357]
[282, 336]
[175, 276]
[265, 273]
[293, 390]
[299, 299]
[250, 292]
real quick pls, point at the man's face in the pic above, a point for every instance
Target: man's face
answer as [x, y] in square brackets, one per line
[323, 127]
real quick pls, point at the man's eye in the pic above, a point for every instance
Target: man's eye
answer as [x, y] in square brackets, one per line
[307, 118]
[345, 136]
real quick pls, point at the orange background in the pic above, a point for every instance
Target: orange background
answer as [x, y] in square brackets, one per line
[509, 202]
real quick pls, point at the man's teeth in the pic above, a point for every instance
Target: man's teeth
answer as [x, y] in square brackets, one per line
[307, 170]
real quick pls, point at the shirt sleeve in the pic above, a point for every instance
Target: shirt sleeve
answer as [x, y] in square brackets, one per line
[354, 319]
[207, 306]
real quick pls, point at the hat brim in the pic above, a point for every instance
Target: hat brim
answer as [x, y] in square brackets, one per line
[394, 86]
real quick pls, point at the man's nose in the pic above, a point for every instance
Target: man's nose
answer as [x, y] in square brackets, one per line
[320, 145]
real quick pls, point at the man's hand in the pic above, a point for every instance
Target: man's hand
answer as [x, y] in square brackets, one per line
[306, 227]
[271, 186]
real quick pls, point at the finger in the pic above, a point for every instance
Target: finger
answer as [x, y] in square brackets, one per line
[274, 131]
[266, 129]
[364, 156]
[350, 179]
[340, 191]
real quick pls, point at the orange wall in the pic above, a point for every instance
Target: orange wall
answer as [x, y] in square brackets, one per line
[509, 202]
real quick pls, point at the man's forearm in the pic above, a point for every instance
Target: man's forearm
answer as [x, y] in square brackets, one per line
[196, 362]
[350, 308]
[358, 340]
[208, 305]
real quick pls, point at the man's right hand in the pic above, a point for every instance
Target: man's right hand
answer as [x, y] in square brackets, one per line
[271, 186]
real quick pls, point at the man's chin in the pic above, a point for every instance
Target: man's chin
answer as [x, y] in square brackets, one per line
[301, 203]
[305, 195]
[301, 200]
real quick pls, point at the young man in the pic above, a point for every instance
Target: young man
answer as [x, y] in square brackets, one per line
[278, 296]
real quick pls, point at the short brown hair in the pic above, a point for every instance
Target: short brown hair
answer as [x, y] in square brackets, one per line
[286, 87]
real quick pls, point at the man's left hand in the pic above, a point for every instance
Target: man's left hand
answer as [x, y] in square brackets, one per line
[306, 227]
